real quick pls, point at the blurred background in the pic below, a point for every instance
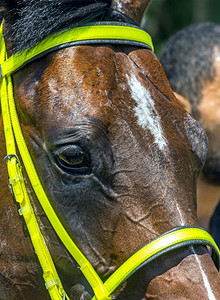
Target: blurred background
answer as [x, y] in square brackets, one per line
[165, 17]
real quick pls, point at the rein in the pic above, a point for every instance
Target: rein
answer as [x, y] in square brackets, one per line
[107, 33]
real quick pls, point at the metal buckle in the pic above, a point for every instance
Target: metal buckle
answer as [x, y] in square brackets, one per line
[53, 281]
[10, 156]
[25, 209]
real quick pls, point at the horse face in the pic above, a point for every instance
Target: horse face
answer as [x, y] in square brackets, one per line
[118, 159]
[116, 154]
[110, 141]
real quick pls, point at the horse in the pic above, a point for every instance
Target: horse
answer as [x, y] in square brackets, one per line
[116, 159]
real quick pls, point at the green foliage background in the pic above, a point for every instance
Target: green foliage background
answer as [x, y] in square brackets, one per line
[165, 17]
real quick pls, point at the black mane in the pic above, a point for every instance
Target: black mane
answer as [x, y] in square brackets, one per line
[30, 21]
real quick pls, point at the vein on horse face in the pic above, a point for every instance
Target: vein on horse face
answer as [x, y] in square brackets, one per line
[182, 222]
[144, 111]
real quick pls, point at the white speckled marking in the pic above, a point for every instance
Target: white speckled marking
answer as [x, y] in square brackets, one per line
[144, 111]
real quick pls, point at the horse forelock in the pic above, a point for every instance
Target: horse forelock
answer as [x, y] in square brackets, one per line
[29, 22]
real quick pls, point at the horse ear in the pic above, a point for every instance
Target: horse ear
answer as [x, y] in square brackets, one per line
[133, 8]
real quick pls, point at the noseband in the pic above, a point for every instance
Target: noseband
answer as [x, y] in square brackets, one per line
[105, 33]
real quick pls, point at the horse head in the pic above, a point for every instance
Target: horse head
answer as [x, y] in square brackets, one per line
[118, 159]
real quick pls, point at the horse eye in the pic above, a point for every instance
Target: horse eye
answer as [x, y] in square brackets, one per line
[72, 158]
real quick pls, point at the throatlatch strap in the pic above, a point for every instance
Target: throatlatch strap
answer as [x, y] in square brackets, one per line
[173, 239]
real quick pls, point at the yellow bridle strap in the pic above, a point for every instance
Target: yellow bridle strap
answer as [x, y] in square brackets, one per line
[97, 33]
[52, 281]
[12, 129]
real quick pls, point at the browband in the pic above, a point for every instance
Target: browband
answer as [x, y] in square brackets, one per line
[92, 33]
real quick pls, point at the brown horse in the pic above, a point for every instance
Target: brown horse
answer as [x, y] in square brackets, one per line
[117, 156]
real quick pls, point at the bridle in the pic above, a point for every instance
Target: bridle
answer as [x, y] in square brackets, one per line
[106, 33]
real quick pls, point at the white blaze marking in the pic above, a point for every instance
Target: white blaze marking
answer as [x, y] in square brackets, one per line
[205, 279]
[144, 111]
